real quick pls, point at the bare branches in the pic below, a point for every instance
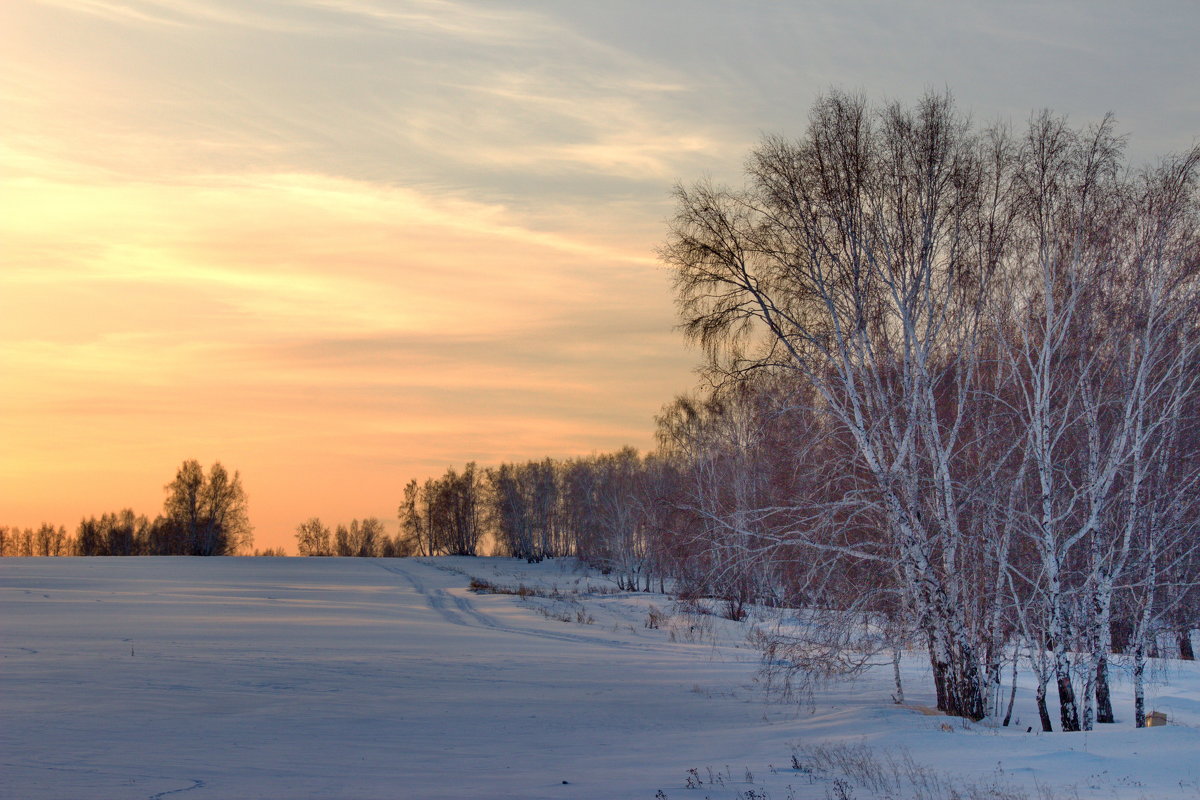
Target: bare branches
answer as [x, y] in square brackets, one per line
[996, 334]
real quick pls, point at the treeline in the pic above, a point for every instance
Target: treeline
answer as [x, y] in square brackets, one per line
[365, 539]
[606, 509]
[45, 540]
[203, 515]
[958, 411]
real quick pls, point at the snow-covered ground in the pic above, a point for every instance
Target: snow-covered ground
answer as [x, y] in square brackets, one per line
[346, 678]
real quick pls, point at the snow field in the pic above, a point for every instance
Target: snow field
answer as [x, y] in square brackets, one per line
[356, 678]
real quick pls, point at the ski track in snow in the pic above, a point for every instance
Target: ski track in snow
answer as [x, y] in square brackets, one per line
[196, 784]
[437, 599]
[111, 775]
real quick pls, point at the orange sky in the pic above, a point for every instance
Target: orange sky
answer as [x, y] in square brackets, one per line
[336, 244]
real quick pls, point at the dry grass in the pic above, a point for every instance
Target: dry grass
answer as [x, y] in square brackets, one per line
[481, 586]
[894, 774]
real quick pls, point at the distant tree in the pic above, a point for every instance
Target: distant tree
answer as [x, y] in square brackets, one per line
[50, 541]
[371, 536]
[444, 516]
[125, 533]
[166, 537]
[510, 513]
[397, 546]
[88, 541]
[227, 524]
[42, 539]
[206, 515]
[121, 534]
[25, 543]
[46, 540]
[360, 539]
[341, 545]
[363, 538]
[387, 547]
[412, 528]
[182, 508]
[542, 483]
[465, 490]
[312, 538]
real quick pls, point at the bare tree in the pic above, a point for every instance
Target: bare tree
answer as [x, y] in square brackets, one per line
[204, 515]
[313, 538]
[859, 259]
[366, 537]
[412, 523]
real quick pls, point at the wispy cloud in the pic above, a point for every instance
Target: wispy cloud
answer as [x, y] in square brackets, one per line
[335, 243]
[478, 23]
[127, 12]
[262, 318]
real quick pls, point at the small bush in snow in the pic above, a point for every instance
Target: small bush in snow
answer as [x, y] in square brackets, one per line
[655, 618]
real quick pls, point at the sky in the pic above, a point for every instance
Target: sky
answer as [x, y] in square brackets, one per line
[339, 244]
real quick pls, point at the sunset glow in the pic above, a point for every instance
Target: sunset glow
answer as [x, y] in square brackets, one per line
[338, 244]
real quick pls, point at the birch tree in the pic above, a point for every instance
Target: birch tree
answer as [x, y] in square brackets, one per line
[859, 259]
